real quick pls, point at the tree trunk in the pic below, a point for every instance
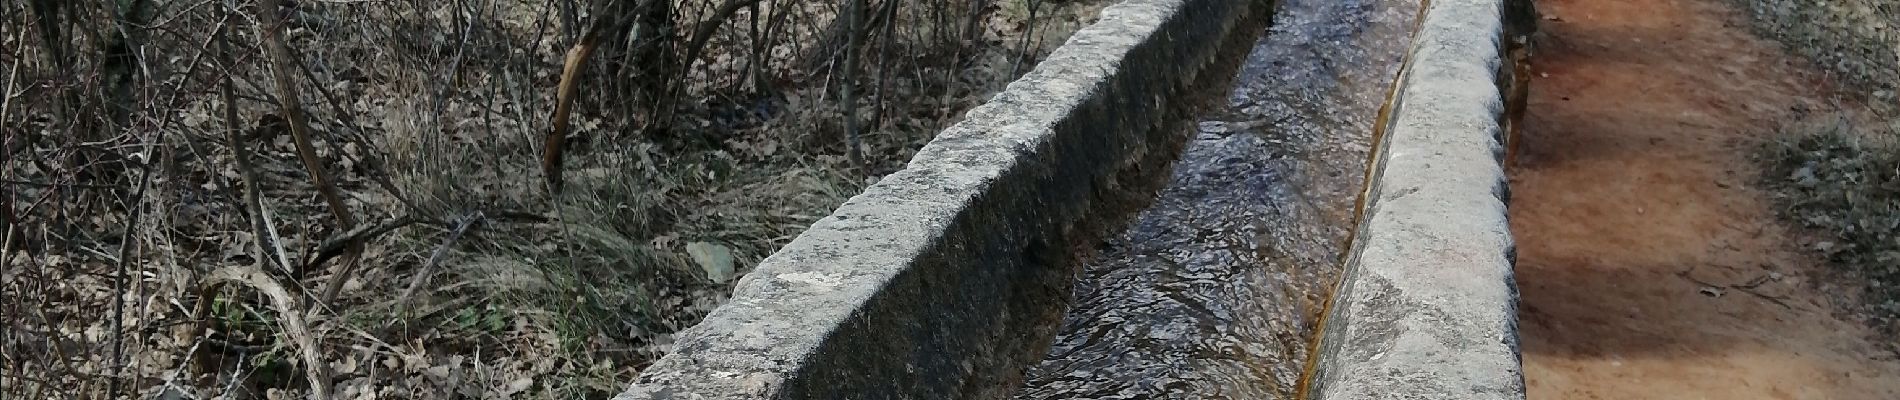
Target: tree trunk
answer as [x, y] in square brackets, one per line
[854, 148]
[826, 55]
[637, 47]
[52, 26]
[120, 66]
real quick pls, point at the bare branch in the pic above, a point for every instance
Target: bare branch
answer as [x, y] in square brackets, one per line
[272, 31]
[290, 317]
[336, 245]
[855, 149]
[379, 172]
[263, 234]
[272, 26]
[576, 59]
[465, 224]
[708, 27]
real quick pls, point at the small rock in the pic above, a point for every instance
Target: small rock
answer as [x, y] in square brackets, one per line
[715, 259]
[1805, 176]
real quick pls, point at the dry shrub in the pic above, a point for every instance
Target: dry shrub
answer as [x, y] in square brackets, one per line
[123, 207]
[1857, 39]
[1843, 179]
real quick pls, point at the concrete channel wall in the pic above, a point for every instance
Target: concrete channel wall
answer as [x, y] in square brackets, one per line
[1427, 307]
[946, 280]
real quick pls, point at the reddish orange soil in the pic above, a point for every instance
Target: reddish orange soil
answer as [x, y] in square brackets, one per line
[1635, 207]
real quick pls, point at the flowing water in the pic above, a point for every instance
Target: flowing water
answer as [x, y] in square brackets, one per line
[1215, 290]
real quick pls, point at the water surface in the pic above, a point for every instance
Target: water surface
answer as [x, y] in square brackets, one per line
[1214, 290]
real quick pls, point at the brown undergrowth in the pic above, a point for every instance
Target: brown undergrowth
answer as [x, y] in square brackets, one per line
[165, 238]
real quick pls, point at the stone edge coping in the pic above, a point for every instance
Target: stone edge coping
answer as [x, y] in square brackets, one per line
[911, 264]
[1427, 307]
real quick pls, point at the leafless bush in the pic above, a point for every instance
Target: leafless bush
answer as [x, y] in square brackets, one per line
[346, 198]
[1842, 178]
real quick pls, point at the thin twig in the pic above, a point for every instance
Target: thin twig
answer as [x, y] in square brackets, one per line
[1754, 283]
[570, 20]
[379, 173]
[1022, 46]
[1770, 299]
[706, 29]
[1685, 274]
[6, 158]
[334, 287]
[272, 30]
[57, 185]
[883, 65]
[276, 240]
[856, 149]
[262, 229]
[128, 237]
[1744, 288]
[422, 276]
[13, 77]
[336, 245]
[129, 240]
[231, 385]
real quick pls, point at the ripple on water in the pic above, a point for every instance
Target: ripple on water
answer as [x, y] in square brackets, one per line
[1213, 291]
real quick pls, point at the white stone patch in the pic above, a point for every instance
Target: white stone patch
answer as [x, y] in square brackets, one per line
[813, 279]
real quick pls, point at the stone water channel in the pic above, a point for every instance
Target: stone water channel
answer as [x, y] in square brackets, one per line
[1215, 290]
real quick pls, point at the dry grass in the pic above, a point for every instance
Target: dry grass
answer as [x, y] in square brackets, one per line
[1858, 40]
[431, 115]
[1843, 179]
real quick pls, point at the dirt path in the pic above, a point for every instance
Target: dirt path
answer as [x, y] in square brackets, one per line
[1633, 193]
